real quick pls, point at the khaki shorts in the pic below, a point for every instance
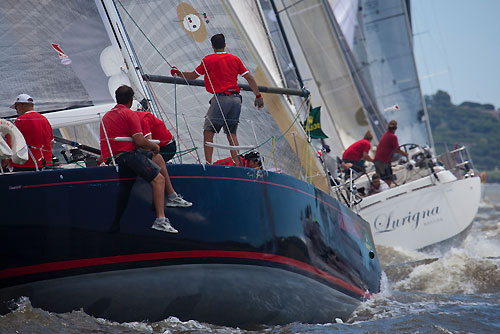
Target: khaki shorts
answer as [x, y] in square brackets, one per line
[228, 118]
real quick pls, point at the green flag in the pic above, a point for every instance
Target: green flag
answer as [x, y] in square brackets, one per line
[314, 124]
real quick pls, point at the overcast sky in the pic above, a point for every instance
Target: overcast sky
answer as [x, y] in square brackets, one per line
[457, 48]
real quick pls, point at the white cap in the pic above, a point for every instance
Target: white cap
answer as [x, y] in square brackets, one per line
[22, 98]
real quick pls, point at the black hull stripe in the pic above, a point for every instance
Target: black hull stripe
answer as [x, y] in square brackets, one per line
[82, 263]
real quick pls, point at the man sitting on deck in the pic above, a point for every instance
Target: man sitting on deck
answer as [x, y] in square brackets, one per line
[376, 185]
[137, 155]
[358, 152]
[154, 128]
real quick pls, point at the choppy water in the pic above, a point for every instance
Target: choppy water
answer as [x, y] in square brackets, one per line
[455, 292]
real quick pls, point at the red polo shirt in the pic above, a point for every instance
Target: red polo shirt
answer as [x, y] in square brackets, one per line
[145, 124]
[154, 126]
[38, 135]
[119, 122]
[222, 69]
[229, 162]
[356, 150]
[386, 146]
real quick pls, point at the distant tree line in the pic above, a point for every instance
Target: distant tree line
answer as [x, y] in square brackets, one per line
[474, 125]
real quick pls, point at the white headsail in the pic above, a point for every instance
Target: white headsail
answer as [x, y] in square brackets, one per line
[383, 46]
[309, 21]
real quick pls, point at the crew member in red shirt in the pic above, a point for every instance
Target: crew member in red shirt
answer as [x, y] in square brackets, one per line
[357, 152]
[136, 155]
[157, 130]
[154, 128]
[37, 133]
[249, 160]
[387, 146]
[221, 71]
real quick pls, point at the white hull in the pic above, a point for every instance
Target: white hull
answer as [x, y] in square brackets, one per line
[423, 212]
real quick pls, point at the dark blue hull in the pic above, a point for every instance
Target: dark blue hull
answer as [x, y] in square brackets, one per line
[255, 247]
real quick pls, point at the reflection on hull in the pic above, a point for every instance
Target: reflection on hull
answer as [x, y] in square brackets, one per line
[212, 293]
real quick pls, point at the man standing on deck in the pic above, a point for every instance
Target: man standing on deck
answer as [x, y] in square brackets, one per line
[221, 71]
[387, 146]
[136, 155]
[37, 132]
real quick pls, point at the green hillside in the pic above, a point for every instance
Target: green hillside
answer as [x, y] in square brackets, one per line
[472, 124]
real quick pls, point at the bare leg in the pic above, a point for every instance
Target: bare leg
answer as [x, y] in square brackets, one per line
[208, 136]
[233, 141]
[157, 159]
[158, 185]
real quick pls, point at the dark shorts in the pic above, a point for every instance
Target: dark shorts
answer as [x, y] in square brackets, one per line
[384, 169]
[139, 161]
[168, 151]
[357, 165]
[231, 109]
[24, 169]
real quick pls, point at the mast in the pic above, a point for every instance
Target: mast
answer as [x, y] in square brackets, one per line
[287, 44]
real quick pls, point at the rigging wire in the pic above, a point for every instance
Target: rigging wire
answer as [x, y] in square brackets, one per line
[155, 99]
[229, 137]
[156, 50]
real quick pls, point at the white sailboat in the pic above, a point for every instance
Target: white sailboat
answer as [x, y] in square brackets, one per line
[435, 200]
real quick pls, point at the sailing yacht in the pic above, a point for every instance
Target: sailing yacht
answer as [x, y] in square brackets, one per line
[360, 52]
[256, 247]
[435, 198]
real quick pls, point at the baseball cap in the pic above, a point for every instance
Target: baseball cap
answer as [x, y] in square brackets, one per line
[22, 98]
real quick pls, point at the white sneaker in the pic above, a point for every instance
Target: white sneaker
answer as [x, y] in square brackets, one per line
[163, 224]
[178, 202]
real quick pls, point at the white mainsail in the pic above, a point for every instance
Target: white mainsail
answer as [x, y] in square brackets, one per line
[177, 33]
[74, 66]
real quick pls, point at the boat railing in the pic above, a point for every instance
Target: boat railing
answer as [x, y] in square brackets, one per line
[459, 161]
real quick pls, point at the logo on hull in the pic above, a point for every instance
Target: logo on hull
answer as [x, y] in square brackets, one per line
[387, 222]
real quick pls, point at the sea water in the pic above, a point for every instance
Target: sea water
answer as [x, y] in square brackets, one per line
[454, 292]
